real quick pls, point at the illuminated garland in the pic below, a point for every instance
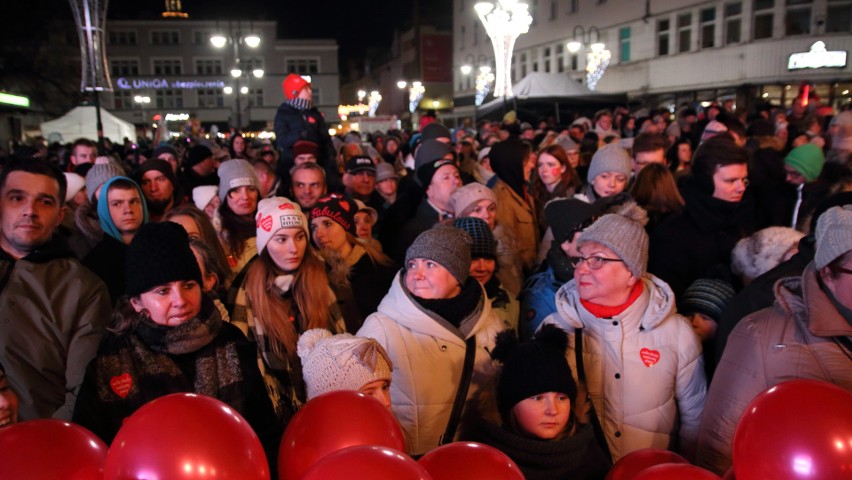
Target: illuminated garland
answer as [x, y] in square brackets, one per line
[597, 61]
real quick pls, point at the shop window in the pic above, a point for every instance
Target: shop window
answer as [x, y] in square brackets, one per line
[624, 44]
[663, 37]
[763, 17]
[708, 27]
[797, 20]
[838, 17]
[733, 22]
[684, 32]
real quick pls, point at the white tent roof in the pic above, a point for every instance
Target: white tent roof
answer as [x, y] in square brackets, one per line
[82, 122]
[538, 84]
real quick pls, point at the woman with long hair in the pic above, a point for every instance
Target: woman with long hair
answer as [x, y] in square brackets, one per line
[555, 178]
[238, 192]
[285, 292]
[655, 191]
[199, 227]
[237, 146]
[356, 269]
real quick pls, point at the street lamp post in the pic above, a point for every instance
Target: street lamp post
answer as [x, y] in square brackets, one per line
[504, 22]
[143, 101]
[598, 57]
[90, 16]
[251, 40]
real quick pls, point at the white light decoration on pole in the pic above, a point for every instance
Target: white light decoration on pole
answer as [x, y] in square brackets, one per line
[374, 100]
[415, 94]
[484, 80]
[597, 61]
[504, 22]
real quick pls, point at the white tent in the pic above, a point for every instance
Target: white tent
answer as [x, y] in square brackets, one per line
[82, 122]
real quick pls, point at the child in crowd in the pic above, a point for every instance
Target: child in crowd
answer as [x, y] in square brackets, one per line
[8, 401]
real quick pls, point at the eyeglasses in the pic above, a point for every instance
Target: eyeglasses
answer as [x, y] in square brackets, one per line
[594, 262]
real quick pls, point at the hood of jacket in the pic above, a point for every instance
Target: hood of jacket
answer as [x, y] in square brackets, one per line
[87, 221]
[655, 304]
[803, 298]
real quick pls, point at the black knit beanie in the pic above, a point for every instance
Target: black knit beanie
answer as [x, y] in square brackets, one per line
[534, 367]
[566, 215]
[159, 254]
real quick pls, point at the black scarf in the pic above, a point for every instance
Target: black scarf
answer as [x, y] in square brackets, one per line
[187, 337]
[456, 309]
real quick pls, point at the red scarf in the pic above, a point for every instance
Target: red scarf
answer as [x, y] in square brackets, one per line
[603, 311]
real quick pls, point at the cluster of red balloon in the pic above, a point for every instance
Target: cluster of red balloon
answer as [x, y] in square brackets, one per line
[48, 449]
[656, 464]
[346, 434]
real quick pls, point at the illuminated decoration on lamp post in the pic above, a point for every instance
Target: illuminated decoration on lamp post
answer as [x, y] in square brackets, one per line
[415, 94]
[504, 22]
[597, 60]
[484, 80]
[90, 16]
[373, 101]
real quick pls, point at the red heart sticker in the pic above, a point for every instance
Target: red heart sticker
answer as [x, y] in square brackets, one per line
[649, 357]
[312, 120]
[345, 205]
[266, 223]
[286, 206]
[121, 384]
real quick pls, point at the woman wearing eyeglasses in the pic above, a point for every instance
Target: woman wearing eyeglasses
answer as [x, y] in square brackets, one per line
[642, 361]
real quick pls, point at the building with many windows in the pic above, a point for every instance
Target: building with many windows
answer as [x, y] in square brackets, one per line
[665, 52]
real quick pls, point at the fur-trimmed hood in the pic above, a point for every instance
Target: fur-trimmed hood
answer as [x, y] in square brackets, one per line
[87, 221]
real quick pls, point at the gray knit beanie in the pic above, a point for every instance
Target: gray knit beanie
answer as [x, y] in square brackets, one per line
[833, 235]
[236, 173]
[448, 246]
[622, 232]
[707, 296]
[609, 158]
[99, 174]
[340, 362]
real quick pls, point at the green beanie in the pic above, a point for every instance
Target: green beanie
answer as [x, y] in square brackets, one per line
[807, 159]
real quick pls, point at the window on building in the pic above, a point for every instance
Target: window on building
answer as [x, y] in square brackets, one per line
[252, 63]
[120, 68]
[255, 97]
[624, 44]
[476, 31]
[167, 67]
[547, 59]
[461, 38]
[169, 98]
[708, 27]
[523, 65]
[560, 58]
[121, 37]
[302, 66]
[165, 37]
[797, 19]
[201, 37]
[534, 11]
[663, 26]
[573, 6]
[575, 62]
[122, 99]
[208, 66]
[316, 95]
[684, 32]
[210, 97]
[733, 22]
[534, 58]
[554, 9]
[763, 16]
[838, 17]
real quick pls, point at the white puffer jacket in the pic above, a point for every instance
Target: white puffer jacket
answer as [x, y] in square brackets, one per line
[427, 362]
[644, 369]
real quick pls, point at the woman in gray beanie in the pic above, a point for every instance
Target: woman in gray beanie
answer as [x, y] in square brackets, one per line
[609, 174]
[433, 312]
[642, 361]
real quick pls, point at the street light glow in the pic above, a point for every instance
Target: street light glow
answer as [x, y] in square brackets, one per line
[236, 72]
[257, 72]
[466, 69]
[218, 40]
[252, 40]
[244, 90]
[574, 46]
[228, 90]
[401, 84]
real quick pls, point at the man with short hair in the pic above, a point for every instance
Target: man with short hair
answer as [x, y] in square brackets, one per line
[199, 169]
[83, 151]
[648, 148]
[266, 179]
[308, 184]
[160, 186]
[53, 311]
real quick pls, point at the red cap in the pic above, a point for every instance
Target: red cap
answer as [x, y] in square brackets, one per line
[292, 85]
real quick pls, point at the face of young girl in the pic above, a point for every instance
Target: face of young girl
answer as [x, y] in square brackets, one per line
[8, 402]
[287, 248]
[380, 390]
[544, 416]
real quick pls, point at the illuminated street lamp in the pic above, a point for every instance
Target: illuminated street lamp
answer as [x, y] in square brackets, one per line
[504, 22]
[252, 40]
[598, 57]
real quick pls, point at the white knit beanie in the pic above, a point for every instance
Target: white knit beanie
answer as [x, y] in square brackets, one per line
[75, 184]
[469, 194]
[340, 362]
[833, 235]
[201, 196]
[276, 213]
[609, 158]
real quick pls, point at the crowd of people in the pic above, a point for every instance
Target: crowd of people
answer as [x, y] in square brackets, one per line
[566, 293]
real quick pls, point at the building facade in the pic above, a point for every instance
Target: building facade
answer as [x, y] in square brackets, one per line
[665, 52]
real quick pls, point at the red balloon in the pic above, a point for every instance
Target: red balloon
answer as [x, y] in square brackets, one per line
[628, 466]
[50, 449]
[796, 429]
[729, 475]
[364, 461]
[466, 460]
[186, 436]
[331, 422]
[676, 471]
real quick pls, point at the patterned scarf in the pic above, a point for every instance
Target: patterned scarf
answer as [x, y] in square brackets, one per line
[300, 104]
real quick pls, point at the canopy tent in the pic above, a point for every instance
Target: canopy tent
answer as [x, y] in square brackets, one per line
[547, 93]
[82, 122]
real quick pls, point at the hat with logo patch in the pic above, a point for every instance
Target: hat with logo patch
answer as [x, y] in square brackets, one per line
[276, 213]
[339, 209]
[360, 163]
[236, 173]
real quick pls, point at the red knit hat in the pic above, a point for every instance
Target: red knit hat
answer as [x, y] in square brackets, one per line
[292, 85]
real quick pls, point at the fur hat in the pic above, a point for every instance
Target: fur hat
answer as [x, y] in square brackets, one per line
[99, 174]
[622, 232]
[429, 158]
[340, 209]
[469, 194]
[201, 196]
[762, 251]
[484, 245]
[292, 85]
[236, 173]
[276, 213]
[340, 362]
[447, 246]
[159, 254]
[707, 296]
[806, 159]
[609, 158]
[833, 235]
[531, 368]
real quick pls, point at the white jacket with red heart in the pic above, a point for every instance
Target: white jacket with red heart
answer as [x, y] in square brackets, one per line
[644, 369]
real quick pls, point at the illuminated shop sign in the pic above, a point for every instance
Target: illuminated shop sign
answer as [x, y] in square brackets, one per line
[818, 57]
[17, 100]
[161, 83]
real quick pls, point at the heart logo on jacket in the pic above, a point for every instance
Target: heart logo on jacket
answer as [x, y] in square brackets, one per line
[121, 384]
[649, 357]
[312, 120]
